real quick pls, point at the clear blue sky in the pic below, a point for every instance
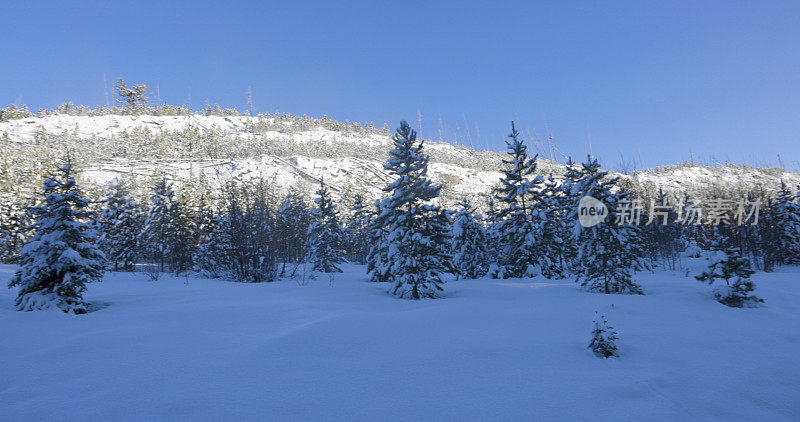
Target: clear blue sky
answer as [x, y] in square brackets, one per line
[649, 81]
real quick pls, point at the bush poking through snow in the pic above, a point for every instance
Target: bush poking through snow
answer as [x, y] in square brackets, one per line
[603, 338]
[728, 264]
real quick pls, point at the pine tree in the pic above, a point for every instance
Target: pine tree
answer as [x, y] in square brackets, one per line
[417, 231]
[212, 256]
[133, 98]
[358, 231]
[165, 232]
[603, 343]
[325, 235]
[786, 218]
[608, 252]
[292, 220]
[662, 232]
[568, 198]
[62, 256]
[378, 266]
[492, 237]
[553, 229]
[13, 223]
[120, 224]
[727, 263]
[469, 243]
[519, 225]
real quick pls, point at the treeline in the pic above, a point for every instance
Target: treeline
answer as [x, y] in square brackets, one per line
[248, 233]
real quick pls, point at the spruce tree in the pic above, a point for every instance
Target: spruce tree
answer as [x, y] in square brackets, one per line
[120, 224]
[62, 257]
[13, 223]
[609, 252]
[417, 231]
[165, 232]
[292, 220]
[727, 263]
[378, 266]
[212, 256]
[469, 243]
[519, 224]
[603, 343]
[662, 232]
[358, 231]
[325, 235]
[568, 198]
[786, 218]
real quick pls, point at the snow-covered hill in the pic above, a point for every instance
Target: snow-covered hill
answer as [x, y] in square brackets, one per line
[297, 152]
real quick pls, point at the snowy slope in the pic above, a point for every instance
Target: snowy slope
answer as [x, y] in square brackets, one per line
[310, 150]
[193, 349]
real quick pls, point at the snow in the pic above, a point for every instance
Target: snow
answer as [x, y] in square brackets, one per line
[196, 349]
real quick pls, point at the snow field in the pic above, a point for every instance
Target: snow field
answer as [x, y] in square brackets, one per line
[195, 349]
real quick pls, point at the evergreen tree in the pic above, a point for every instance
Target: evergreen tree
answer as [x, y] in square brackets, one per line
[662, 232]
[378, 266]
[325, 235]
[62, 257]
[13, 223]
[604, 338]
[292, 220]
[165, 232]
[492, 237]
[417, 231]
[519, 226]
[727, 263]
[608, 252]
[120, 224]
[568, 198]
[212, 256]
[133, 98]
[469, 243]
[786, 220]
[554, 230]
[358, 231]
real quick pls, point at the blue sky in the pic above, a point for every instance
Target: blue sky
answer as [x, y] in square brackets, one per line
[650, 83]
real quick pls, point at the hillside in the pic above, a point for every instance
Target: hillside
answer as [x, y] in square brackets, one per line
[288, 151]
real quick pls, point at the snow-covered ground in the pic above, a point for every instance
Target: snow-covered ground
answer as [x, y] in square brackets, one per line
[196, 349]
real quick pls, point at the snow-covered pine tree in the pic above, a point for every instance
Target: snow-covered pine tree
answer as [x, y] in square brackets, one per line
[554, 229]
[62, 257]
[469, 243]
[358, 230]
[417, 232]
[378, 266]
[568, 199]
[786, 217]
[212, 255]
[519, 226]
[492, 237]
[120, 224]
[292, 220]
[13, 222]
[325, 235]
[727, 263]
[608, 252]
[603, 343]
[662, 232]
[165, 232]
